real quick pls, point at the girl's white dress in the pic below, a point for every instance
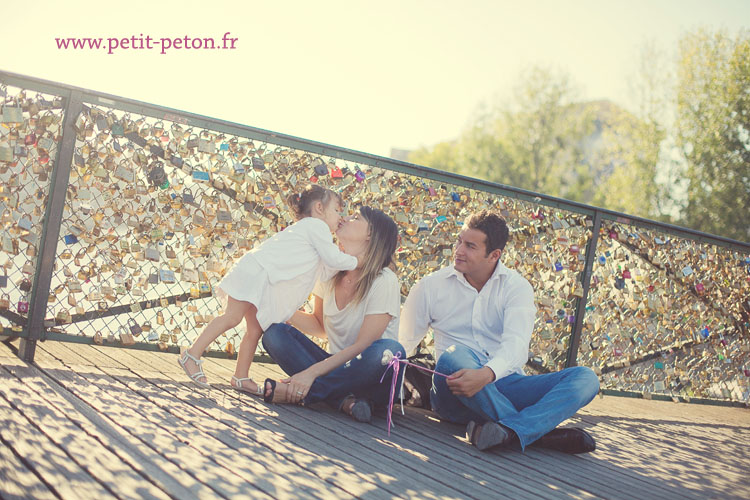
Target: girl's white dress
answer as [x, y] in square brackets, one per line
[278, 276]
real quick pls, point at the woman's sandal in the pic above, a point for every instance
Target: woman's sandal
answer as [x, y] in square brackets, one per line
[360, 409]
[238, 385]
[269, 398]
[183, 359]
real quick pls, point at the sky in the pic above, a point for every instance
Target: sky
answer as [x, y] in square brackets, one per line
[368, 76]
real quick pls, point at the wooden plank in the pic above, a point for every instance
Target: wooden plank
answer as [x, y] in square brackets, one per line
[17, 482]
[670, 445]
[297, 437]
[499, 471]
[130, 450]
[338, 427]
[225, 457]
[100, 462]
[560, 468]
[62, 474]
[563, 468]
[274, 439]
[644, 448]
[166, 449]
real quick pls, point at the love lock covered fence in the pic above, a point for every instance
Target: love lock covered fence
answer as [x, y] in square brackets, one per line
[119, 217]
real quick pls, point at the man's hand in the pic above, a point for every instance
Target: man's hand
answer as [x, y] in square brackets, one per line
[468, 382]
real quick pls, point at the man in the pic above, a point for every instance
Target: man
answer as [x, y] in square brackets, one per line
[482, 315]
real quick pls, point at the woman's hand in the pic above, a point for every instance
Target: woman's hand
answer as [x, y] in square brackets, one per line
[299, 385]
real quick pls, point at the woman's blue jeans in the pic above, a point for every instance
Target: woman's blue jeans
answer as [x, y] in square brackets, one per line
[531, 405]
[294, 352]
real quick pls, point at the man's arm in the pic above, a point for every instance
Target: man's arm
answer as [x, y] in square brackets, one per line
[519, 313]
[518, 323]
[415, 318]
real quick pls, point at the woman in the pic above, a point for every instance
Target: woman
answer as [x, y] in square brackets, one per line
[357, 311]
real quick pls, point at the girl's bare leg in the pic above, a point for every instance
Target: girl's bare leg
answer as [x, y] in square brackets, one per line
[231, 317]
[248, 345]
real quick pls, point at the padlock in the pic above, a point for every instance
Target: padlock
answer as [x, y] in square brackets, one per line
[152, 254]
[5, 302]
[126, 337]
[63, 316]
[23, 305]
[134, 327]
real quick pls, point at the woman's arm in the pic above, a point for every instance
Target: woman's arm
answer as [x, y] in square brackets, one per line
[310, 323]
[372, 329]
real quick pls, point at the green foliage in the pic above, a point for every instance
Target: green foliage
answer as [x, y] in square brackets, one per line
[695, 171]
[713, 122]
[533, 144]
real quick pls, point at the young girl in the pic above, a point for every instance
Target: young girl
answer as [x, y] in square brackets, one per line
[272, 281]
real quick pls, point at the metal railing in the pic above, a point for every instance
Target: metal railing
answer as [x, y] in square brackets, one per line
[118, 218]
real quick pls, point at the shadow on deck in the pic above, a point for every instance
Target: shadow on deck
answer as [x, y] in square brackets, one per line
[97, 422]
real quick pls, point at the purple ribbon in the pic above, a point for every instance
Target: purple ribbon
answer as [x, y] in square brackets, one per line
[394, 363]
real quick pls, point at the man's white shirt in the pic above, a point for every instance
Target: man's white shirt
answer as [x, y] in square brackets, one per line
[495, 323]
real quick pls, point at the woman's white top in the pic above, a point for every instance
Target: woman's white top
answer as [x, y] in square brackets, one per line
[342, 325]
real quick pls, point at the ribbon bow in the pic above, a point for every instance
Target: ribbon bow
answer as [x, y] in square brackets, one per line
[394, 362]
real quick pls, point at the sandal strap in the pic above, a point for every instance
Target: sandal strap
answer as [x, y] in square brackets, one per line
[199, 373]
[237, 383]
[186, 354]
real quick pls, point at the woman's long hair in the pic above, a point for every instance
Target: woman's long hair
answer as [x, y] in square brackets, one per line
[379, 253]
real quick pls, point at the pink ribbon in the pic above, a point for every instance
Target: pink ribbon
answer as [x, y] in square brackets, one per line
[394, 363]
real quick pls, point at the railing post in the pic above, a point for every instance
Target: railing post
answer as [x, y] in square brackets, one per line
[51, 230]
[575, 336]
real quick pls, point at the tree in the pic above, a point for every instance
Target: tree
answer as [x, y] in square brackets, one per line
[633, 143]
[713, 130]
[532, 143]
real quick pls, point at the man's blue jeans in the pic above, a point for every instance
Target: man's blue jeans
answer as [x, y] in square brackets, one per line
[294, 352]
[531, 405]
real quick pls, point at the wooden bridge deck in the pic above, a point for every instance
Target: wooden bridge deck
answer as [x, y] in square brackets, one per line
[97, 422]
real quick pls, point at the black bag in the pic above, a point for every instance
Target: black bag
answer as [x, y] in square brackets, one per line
[417, 383]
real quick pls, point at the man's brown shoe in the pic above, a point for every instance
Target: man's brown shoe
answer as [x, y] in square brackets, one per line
[568, 440]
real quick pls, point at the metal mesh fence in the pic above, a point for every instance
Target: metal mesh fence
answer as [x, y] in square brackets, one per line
[30, 129]
[160, 204]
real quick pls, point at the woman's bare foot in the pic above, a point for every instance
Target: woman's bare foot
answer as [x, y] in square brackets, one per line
[277, 392]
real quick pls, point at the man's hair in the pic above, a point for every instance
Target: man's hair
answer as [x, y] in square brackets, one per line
[493, 226]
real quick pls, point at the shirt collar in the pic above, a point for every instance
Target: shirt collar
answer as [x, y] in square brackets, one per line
[500, 270]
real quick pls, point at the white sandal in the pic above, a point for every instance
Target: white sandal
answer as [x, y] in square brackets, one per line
[183, 359]
[238, 386]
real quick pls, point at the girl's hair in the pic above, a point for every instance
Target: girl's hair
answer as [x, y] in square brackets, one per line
[301, 203]
[379, 252]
